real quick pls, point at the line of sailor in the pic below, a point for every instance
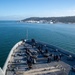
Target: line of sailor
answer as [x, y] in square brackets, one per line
[32, 56]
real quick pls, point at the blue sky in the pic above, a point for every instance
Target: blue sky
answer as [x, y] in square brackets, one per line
[20, 9]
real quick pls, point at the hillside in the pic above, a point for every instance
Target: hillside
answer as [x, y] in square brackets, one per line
[68, 19]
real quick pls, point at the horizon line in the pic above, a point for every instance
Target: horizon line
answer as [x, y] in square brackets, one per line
[32, 17]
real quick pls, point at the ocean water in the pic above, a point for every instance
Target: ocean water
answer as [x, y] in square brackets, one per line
[60, 35]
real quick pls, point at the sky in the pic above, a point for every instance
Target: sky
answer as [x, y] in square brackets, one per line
[21, 9]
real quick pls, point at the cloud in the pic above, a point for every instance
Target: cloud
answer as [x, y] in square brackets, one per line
[71, 11]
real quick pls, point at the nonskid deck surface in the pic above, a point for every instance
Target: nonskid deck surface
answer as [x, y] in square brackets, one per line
[18, 63]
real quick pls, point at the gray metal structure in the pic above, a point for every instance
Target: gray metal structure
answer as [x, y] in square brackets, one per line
[37, 58]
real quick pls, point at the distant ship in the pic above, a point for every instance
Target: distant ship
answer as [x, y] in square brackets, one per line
[31, 57]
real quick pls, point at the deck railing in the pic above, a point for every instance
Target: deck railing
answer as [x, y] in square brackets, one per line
[9, 56]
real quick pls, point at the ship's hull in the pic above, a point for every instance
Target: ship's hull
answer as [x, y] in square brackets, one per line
[9, 56]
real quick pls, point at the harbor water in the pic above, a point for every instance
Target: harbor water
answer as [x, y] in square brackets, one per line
[60, 35]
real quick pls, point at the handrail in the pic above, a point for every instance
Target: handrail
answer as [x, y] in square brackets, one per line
[9, 56]
[60, 49]
[1, 72]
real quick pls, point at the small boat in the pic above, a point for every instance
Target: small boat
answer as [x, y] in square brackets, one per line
[31, 57]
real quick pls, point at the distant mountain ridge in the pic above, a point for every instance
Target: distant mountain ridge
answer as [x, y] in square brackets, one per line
[67, 19]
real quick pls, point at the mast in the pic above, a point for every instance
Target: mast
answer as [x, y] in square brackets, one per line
[27, 34]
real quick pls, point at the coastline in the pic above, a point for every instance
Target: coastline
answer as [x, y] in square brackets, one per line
[43, 23]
